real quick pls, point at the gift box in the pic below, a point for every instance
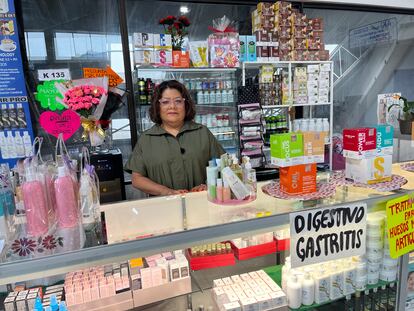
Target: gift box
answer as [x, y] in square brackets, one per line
[359, 143]
[180, 59]
[286, 149]
[369, 171]
[316, 23]
[163, 57]
[144, 56]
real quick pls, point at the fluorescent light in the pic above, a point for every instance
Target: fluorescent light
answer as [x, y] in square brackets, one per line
[184, 9]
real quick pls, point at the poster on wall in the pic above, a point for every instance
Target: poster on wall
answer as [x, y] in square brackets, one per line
[16, 134]
[388, 117]
[319, 235]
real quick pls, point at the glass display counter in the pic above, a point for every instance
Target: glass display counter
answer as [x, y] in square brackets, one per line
[146, 227]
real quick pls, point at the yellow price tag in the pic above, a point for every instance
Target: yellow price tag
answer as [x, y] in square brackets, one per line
[400, 225]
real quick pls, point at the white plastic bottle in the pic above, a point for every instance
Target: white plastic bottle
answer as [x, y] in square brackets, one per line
[321, 286]
[308, 290]
[336, 289]
[225, 97]
[10, 145]
[27, 143]
[19, 145]
[218, 97]
[294, 292]
[349, 278]
[212, 97]
[319, 125]
[285, 273]
[3, 146]
[304, 125]
[312, 125]
[206, 97]
[200, 98]
[230, 97]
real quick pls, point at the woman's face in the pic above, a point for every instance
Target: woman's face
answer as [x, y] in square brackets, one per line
[172, 107]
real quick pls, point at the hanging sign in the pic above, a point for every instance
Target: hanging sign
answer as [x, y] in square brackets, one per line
[384, 31]
[53, 74]
[114, 78]
[319, 235]
[47, 94]
[400, 225]
[66, 123]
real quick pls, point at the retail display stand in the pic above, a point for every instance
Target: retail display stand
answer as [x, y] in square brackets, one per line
[122, 301]
[254, 251]
[210, 261]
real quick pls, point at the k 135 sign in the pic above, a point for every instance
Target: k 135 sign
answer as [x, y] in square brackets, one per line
[328, 233]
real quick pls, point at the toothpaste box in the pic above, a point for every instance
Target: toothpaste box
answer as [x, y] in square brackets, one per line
[243, 48]
[286, 149]
[313, 147]
[298, 179]
[385, 139]
[360, 143]
[369, 171]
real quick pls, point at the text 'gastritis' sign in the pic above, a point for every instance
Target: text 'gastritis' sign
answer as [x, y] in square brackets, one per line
[328, 233]
[400, 225]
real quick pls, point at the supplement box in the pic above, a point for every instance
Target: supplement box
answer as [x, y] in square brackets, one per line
[251, 48]
[143, 40]
[243, 48]
[360, 143]
[385, 139]
[298, 179]
[313, 147]
[286, 149]
[254, 251]
[210, 261]
[369, 171]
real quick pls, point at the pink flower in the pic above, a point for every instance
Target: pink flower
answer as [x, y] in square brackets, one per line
[95, 101]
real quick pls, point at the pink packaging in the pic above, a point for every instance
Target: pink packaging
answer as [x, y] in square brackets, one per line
[67, 205]
[224, 49]
[163, 57]
[35, 205]
[87, 296]
[95, 291]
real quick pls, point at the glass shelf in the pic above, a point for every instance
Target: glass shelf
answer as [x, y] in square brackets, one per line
[192, 220]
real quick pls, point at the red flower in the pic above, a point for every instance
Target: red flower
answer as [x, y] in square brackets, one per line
[23, 246]
[169, 28]
[184, 20]
[169, 20]
[49, 242]
[177, 25]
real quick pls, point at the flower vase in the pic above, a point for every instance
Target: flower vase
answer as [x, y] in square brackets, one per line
[181, 59]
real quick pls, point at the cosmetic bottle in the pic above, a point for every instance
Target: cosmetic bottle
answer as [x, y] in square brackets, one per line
[237, 187]
[336, 287]
[38, 305]
[308, 290]
[66, 201]
[11, 145]
[226, 191]
[54, 306]
[322, 281]
[236, 168]
[34, 204]
[294, 292]
[249, 178]
[3, 146]
[285, 273]
[5, 116]
[62, 306]
[13, 116]
[212, 190]
[27, 143]
[349, 278]
[87, 204]
[21, 117]
[219, 190]
[18, 140]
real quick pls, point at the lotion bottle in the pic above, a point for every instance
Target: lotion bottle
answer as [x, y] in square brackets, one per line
[322, 281]
[294, 292]
[66, 201]
[18, 140]
[308, 290]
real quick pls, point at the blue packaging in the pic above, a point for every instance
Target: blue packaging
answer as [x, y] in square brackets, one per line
[251, 48]
[385, 139]
[243, 48]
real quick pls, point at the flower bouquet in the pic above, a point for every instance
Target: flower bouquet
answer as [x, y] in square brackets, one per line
[88, 98]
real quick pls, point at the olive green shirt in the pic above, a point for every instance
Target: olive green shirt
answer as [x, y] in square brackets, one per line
[175, 162]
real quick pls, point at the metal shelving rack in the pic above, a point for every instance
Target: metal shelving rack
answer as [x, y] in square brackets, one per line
[289, 65]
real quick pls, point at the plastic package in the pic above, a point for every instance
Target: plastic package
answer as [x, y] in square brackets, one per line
[198, 53]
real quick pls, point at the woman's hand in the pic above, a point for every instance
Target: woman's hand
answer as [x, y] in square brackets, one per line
[199, 188]
[168, 191]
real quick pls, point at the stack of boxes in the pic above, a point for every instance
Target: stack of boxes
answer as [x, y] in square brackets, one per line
[311, 84]
[22, 300]
[152, 49]
[368, 153]
[248, 291]
[283, 33]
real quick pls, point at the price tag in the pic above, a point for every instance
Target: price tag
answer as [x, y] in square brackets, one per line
[53, 74]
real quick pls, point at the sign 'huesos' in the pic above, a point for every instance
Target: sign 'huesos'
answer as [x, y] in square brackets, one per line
[323, 234]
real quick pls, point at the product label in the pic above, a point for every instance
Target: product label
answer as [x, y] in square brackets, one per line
[400, 225]
[327, 234]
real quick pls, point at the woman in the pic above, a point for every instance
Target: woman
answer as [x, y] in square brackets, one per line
[171, 157]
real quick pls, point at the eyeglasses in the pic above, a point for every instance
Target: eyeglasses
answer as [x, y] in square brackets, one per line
[176, 101]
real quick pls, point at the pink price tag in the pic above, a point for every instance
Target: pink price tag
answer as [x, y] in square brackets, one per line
[66, 123]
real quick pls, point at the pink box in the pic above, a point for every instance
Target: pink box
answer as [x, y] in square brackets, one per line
[87, 294]
[359, 143]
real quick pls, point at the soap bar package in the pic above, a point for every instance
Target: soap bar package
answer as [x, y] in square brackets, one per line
[314, 147]
[298, 179]
[286, 149]
[369, 171]
[385, 139]
[360, 143]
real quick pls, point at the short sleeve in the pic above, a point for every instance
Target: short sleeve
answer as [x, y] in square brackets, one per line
[135, 162]
[216, 150]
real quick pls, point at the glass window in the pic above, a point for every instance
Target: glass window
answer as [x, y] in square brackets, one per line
[36, 45]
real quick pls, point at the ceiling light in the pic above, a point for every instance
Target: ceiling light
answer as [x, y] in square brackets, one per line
[184, 9]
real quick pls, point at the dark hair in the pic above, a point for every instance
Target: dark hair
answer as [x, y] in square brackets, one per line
[171, 84]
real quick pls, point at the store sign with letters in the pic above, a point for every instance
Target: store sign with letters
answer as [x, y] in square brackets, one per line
[323, 234]
[400, 225]
[53, 74]
[66, 123]
[114, 78]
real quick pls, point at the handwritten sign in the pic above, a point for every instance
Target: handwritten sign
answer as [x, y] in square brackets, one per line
[400, 225]
[114, 78]
[384, 31]
[325, 234]
[47, 94]
[66, 123]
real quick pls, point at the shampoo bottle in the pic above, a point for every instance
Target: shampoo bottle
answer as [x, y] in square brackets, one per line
[308, 290]
[34, 204]
[66, 201]
[21, 117]
[294, 292]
